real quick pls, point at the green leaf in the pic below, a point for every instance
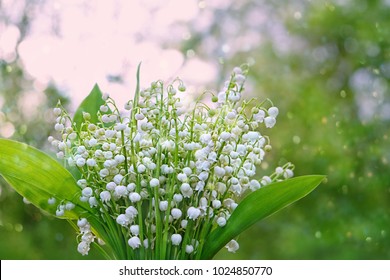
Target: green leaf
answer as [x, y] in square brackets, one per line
[91, 104]
[38, 177]
[258, 205]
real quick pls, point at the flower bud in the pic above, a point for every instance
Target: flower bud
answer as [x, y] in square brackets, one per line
[134, 229]
[232, 246]
[82, 222]
[91, 162]
[87, 192]
[83, 248]
[131, 212]
[139, 116]
[51, 201]
[86, 116]
[279, 170]
[182, 177]
[134, 197]
[273, 112]
[176, 239]
[134, 242]
[120, 191]
[154, 183]
[221, 221]
[57, 111]
[80, 162]
[183, 223]
[123, 220]
[189, 249]
[219, 171]
[92, 201]
[69, 206]
[105, 196]
[141, 168]
[216, 204]
[163, 206]
[270, 122]
[176, 213]
[177, 197]
[60, 212]
[59, 127]
[225, 136]
[104, 109]
[193, 213]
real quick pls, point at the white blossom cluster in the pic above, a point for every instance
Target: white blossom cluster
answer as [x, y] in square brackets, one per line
[165, 175]
[87, 236]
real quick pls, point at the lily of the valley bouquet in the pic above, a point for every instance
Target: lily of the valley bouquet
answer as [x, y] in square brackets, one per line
[153, 180]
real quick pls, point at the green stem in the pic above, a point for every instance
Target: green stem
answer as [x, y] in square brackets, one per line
[125, 155]
[203, 234]
[140, 219]
[159, 243]
[186, 238]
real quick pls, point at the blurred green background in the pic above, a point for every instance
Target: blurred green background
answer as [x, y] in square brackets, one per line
[325, 64]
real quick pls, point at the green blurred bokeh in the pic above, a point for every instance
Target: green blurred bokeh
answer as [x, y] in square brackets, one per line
[332, 89]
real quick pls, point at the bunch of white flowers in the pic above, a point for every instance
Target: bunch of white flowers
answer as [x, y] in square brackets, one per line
[164, 175]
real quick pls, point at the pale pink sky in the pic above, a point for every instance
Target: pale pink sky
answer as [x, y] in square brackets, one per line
[100, 38]
[77, 43]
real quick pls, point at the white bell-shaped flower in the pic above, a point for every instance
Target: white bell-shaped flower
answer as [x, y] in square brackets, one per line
[134, 242]
[193, 213]
[232, 246]
[176, 239]
[176, 213]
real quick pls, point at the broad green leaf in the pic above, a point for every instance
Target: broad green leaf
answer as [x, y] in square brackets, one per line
[91, 104]
[38, 177]
[258, 205]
